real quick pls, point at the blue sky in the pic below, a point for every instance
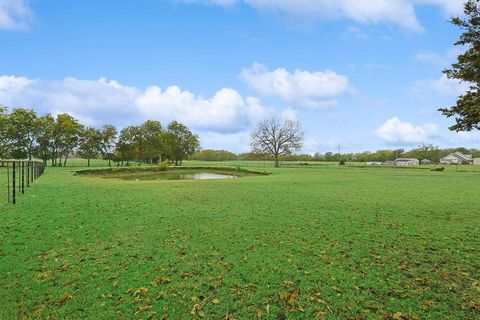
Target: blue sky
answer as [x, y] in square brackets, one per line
[363, 74]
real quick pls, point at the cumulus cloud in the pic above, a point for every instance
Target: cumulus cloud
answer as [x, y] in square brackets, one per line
[105, 101]
[14, 15]
[226, 111]
[396, 132]
[397, 12]
[309, 89]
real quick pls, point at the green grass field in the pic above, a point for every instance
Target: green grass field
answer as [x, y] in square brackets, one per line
[325, 242]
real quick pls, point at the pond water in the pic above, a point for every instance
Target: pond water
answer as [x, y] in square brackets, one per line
[171, 176]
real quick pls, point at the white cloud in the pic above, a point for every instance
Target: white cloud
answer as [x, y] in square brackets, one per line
[15, 15]
[397, 12]
[226, 111]
[309, 89]
[102, 101]
[396, 132]
[289, 114]
[442, 86]
[450, 7]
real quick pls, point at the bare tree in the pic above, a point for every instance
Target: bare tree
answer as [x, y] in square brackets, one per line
[276, 138]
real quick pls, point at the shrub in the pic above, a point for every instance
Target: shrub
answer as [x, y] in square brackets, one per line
[163, 166]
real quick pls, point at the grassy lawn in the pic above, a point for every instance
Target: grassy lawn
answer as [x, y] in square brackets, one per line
[324, 242]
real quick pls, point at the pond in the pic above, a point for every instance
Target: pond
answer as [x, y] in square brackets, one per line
[175, 175]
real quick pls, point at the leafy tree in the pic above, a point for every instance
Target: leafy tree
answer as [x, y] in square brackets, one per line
[276, 138]
[125, 145]
[3, 132]
[66, 134]
[90, 143]
[214, 155]
[180, 142]
[46, 125]
[108, 136]
[467, 69]
[22, 130]
[151, 133]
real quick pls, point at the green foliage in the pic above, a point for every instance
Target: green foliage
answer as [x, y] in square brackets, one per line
[214, 155]
[163, 166]
[324, 241]
[467, 69]
[180, 142]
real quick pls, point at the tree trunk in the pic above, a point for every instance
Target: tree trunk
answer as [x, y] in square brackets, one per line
[88, 162]
[277, 165]
[109, 162]
[65, 161]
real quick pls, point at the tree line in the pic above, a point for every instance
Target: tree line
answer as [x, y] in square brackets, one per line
[424, 151]
[26, 135]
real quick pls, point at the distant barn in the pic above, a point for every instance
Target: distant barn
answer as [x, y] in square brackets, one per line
[457, 158]
[426, 162]
[406, 162]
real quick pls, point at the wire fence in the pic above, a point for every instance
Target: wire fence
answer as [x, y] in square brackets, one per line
[16, 176]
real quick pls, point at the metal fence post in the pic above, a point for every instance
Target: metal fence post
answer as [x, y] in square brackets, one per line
[8, 183]
[13, 183]
[28, 174]
[23, 177]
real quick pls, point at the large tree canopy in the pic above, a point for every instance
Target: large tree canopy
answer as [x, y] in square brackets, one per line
[275, 138]
[467, 69]
[24, 134]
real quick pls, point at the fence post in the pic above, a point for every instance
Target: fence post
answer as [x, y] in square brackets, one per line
[8, 183]
[28, 174]
[13, 183]
[23, 177]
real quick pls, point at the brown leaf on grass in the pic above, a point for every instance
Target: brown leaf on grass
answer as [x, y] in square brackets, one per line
[185, 275]
[290, 297]
[44, 275]
[137, 292]
[215, 301]
[319, 314]
[158, 280]
[144, 308]
[67, 296]
[197, 310]
[403, 316]
[427, 304]
[228, 316]
[287, 283]
[64, 267]
[150, 315]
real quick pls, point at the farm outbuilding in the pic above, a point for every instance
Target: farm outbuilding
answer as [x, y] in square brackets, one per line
[476, 161]
[406, 162]
[426, 162]
[457, 158]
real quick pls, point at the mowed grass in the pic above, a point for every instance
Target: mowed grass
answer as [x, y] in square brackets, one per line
[326, 242]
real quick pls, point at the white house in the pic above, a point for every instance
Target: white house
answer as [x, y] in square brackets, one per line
[476, 161]
[406, 162]
[457, 158]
